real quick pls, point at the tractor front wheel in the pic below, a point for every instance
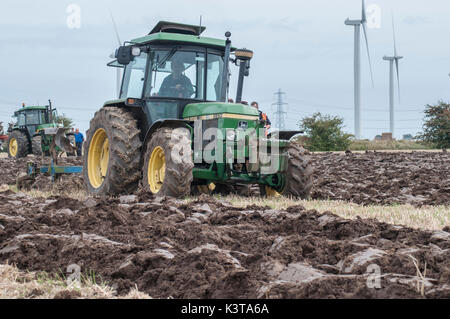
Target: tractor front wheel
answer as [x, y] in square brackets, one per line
[168, 163]
[18, 144]
[112, 152]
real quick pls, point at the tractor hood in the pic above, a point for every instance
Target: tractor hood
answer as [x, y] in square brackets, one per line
[197, 111]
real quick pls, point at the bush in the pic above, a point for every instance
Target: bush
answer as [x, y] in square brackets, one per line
[64, 120]
[325, 133]
[436, 129]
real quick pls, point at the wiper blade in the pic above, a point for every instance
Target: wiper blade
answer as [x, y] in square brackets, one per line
[164, 60]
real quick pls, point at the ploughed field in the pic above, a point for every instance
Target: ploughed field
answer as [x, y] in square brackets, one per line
[417, 178]
[208, 248]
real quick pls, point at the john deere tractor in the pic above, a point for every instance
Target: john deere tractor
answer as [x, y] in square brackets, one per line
[34, 131]
[172, 129]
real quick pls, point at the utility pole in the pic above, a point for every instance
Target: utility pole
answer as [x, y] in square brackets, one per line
[280, 113]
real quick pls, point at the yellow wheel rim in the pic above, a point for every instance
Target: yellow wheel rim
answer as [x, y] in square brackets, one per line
[156, 170]
[270, 192]
[13, 146]
[98, 158]
[206, 189]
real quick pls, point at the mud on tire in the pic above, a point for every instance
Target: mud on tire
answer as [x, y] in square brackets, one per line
[176, 144]
[23, 145]
[123, 171]
[299, 173]
[36, 145]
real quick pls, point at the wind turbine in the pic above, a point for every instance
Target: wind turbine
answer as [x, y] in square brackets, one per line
[113, 55]
[391, 60]
[357, 64]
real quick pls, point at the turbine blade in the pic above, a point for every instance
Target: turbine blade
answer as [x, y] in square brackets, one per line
[393, 32]
[115, 29]
[368, 52]
[398, 78]
[363, 13]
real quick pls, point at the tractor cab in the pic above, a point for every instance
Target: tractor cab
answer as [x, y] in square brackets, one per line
[31, 118]
[174, 66]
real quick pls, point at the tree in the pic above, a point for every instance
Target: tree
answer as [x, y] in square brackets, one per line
[325, 133]
[64, 120]
[436, 129]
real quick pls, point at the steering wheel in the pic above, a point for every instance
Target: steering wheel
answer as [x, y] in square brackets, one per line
[181, 89]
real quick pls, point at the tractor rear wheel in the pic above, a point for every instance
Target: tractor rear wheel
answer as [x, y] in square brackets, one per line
[168, 163]
[298, 177]
[112, 152]
[36, 145]
[18, 144]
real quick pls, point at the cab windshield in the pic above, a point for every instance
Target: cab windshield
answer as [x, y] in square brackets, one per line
[175, 73]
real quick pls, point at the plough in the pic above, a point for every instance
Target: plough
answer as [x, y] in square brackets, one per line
[60, 144]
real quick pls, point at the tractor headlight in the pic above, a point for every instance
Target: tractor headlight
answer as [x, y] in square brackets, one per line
[230, 135]
[136, 51]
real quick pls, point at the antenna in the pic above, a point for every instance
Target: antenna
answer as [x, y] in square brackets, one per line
[200, 27]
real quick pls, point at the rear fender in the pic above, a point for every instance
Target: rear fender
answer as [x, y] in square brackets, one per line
[284, 135]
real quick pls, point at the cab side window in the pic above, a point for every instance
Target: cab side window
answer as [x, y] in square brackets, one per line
[21, 119]
[133, 81]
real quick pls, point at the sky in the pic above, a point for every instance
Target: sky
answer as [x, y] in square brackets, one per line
[301, 47]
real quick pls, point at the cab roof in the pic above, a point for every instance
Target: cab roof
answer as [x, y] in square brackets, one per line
[27, 108]
[165, 37]
[166, 32]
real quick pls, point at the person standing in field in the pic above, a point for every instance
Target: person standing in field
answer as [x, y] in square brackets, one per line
[79, 139]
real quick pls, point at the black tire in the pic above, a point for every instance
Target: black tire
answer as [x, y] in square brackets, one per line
[36, 145]
[298, 176]
[225, 189]
[178, 171]
[23, 145]
[123, 171]
[299, 180]
[254, 190]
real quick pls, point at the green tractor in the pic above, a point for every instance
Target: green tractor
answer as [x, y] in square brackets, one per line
[172, 130]
[34, 131]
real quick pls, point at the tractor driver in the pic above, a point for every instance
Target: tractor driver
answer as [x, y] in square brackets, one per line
[176, 84]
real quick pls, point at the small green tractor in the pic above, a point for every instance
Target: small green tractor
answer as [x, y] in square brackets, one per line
[34, 131]
[173, 131]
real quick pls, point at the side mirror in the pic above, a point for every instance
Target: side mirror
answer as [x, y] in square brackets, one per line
[125, 54]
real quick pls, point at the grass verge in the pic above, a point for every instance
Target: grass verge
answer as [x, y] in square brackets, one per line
[363, 145]
[17, 284]
[426, 217]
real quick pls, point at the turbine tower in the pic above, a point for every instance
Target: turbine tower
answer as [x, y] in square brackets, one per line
[391, 60]
[357, 64]
[112, 56]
